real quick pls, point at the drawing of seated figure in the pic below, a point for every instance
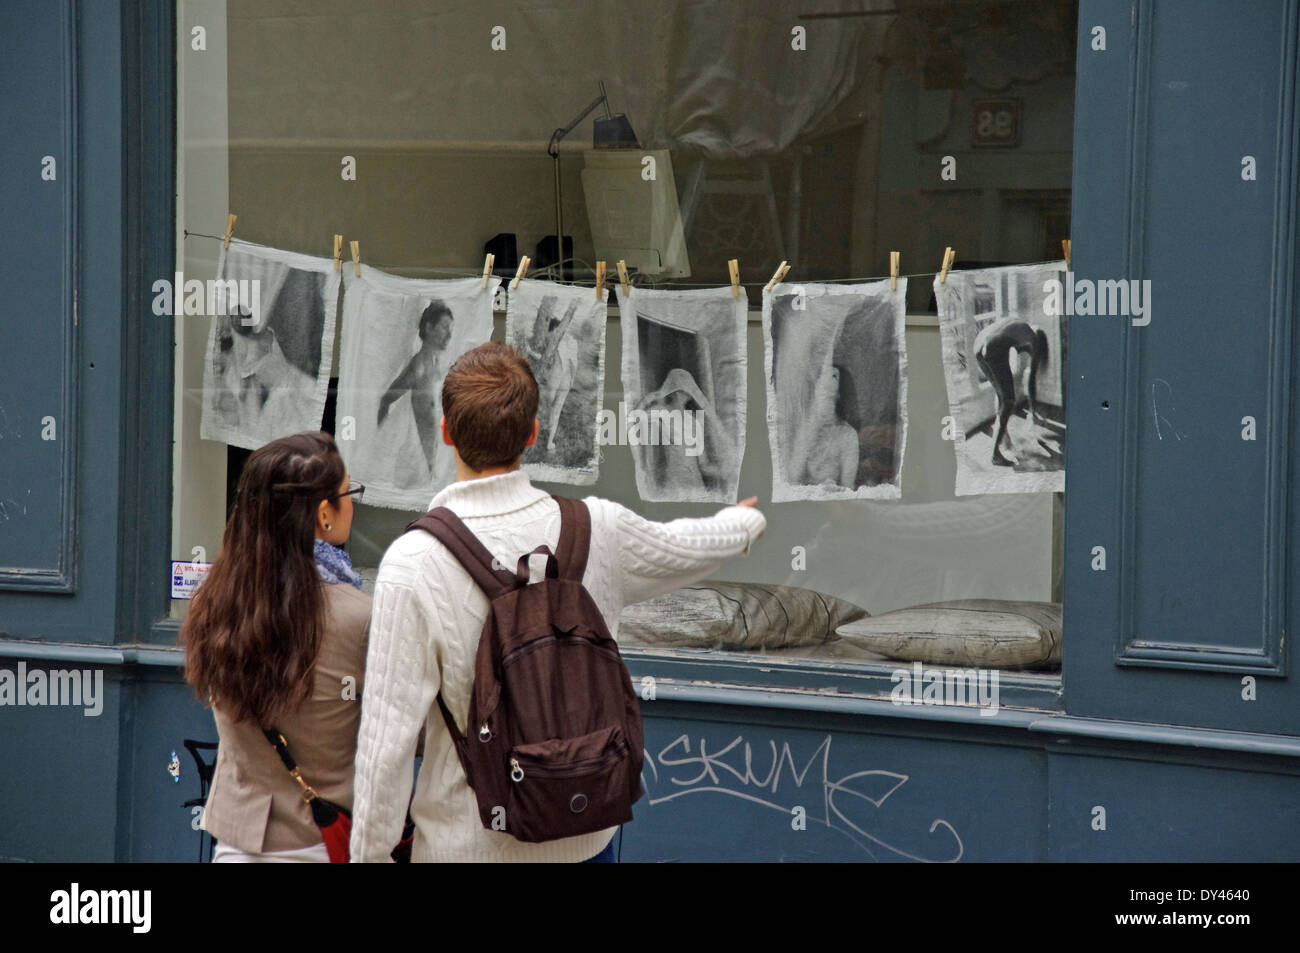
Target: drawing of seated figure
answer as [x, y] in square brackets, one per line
[824, 449]
[422, 377]
[996, 348]
[667, 463]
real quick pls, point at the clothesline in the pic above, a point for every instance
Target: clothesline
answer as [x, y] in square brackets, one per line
[547, 271]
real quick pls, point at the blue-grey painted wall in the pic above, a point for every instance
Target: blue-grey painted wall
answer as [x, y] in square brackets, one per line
[1186, 623]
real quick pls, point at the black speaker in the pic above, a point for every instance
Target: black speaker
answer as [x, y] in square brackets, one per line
[545, 256]
[503, 246]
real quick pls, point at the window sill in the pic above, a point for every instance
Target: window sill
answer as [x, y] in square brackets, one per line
[871, 682]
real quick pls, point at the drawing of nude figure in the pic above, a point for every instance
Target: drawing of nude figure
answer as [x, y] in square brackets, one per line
[553, 355]
[996, 348]
[422, 377]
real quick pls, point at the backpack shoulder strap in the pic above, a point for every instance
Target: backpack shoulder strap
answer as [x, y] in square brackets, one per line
[575, 538]
[448, 529]
[457, 736]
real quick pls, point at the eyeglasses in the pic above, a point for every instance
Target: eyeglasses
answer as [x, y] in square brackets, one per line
[357, 489]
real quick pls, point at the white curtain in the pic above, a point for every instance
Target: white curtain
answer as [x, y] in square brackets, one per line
[718, 78]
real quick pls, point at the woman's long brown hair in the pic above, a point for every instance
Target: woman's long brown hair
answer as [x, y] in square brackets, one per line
[255, 624]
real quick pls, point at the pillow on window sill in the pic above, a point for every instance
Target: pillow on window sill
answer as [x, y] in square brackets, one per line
[736, 616]
[995, 633]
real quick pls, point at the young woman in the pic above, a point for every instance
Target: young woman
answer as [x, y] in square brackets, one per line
[276, 638]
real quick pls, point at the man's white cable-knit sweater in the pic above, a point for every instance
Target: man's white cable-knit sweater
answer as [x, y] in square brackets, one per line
[424, 632]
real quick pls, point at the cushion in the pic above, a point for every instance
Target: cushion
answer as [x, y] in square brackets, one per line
[737, 616]
[997, 633]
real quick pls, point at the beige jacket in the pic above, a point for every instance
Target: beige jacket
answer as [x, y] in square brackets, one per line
[254, 803]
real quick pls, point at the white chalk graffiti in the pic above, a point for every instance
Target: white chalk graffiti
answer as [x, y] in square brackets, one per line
[716, 775]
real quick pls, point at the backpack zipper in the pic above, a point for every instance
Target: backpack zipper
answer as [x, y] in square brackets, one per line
[570, 768]
[538, 643]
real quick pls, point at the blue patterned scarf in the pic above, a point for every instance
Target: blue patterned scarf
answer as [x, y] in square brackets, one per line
[333, 564]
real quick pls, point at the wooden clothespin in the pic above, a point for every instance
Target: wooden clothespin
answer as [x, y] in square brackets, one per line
[623, 278]
[733, 269]
[488, 262]
[777, 275]
[356, 258]
[948, 256]
[893, 270]
[600, 281]
[230, 228]
[338, 251]
[523, 270]
[1065, 247]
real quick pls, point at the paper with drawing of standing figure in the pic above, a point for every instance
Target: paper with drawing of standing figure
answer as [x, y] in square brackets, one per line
[684, 378]
[561, 331]
[835, 361]
[400, 337]
[267, 366]
[1003, 346]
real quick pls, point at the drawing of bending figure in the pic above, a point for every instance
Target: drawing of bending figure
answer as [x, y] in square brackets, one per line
[422, 376]
[993, 347]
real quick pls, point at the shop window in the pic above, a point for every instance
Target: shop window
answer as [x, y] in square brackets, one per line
[826, 140]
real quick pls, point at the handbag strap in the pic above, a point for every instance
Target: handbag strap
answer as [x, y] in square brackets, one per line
[309, 793]
[282, 749]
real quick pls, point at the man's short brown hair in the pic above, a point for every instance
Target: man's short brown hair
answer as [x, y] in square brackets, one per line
[489, 398]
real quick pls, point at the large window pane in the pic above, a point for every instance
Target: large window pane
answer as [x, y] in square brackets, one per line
[825, 139]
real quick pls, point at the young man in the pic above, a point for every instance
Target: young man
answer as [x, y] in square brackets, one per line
[428, 614]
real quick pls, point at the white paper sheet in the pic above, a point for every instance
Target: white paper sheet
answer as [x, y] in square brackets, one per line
[684, 371]
[994, 328]
[267, 365]
[561, 330]
[397, 346]
[835, 361]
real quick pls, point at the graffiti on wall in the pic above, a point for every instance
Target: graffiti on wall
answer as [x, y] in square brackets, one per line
[857, 804]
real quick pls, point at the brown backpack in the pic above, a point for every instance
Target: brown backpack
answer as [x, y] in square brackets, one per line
[555, 746]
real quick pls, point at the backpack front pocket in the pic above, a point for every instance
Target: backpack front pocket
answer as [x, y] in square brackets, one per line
[563, 787]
